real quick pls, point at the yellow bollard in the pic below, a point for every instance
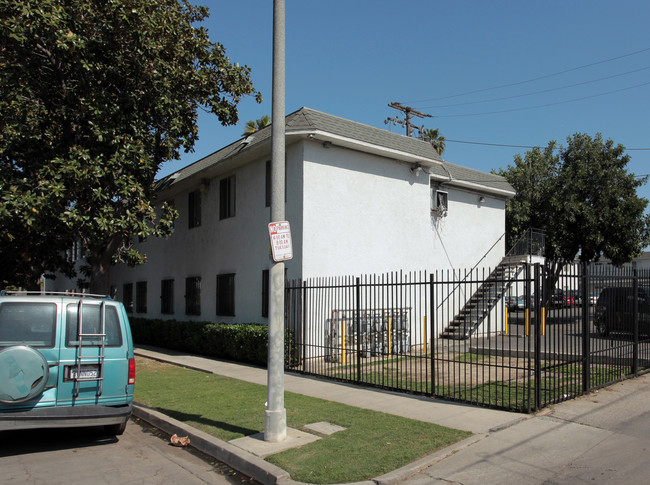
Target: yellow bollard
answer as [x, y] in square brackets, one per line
[343, 340]
[543, 321]
[425, 335]
[390, 347]
[527, 319]
[506, 320]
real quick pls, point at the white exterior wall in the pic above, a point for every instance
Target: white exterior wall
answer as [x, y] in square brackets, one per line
[238, 245]
[351, 213]
[367, 214]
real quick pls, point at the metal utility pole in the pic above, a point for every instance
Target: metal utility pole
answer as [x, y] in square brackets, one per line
[275, 418]
[408, 113]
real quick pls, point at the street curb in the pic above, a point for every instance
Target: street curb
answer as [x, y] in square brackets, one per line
[401, 474]
[267, 473]
[244, 462]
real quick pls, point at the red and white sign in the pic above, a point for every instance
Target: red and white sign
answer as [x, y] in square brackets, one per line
[281, 247]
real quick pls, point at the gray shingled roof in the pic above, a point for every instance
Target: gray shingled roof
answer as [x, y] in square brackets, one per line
[307, 119]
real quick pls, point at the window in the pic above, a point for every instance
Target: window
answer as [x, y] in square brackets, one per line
[32, 324]
[193, 295]
[226, 294]
[227, 197]
[91, 324]
[167, 297]
[194, 209]
[141, 297]
[265, 293]
[439, 202]
[127, 298]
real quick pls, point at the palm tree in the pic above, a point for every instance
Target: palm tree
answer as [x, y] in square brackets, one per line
[253, 126]
[433, 136]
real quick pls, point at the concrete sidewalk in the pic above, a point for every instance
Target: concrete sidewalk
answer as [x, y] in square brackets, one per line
[506, 447]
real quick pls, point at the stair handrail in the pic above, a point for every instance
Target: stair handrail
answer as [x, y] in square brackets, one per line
[471, 271]
[524, 245]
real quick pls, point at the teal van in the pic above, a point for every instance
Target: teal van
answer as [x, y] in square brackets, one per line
[65, 361]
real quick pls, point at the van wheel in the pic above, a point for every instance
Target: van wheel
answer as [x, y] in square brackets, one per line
[116, 429]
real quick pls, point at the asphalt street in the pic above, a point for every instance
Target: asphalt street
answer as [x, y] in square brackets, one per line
[81, 456]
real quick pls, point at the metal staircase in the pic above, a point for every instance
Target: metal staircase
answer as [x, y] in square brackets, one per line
[492, 290]
[484, 299]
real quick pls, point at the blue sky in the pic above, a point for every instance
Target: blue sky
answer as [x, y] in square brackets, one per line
[494, 73]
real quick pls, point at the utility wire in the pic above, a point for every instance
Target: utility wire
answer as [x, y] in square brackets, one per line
[533, 79]
[519, 146]
[537, 92]
[544, 105]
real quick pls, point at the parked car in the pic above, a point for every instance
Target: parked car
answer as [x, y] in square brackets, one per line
[513, 302]
[573, 297]
[614, 311]
[65, 361]
[557, 299]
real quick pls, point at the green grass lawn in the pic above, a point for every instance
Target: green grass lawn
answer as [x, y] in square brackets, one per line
[372, 444]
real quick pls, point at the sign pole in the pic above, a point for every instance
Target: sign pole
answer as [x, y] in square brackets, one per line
[275, 419]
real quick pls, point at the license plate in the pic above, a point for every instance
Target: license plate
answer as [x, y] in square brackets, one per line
[86, 372]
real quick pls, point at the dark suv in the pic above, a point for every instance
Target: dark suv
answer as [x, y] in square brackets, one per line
[614, 310]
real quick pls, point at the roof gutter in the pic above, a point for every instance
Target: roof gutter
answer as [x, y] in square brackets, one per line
[367, 147]
[346, 142]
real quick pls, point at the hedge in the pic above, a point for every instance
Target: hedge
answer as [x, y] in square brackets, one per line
[246, 343]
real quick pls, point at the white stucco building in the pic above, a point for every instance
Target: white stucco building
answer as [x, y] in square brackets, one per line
[359, 200]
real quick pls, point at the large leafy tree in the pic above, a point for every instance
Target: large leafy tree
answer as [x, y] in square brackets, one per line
[95, 96]
[584, 199]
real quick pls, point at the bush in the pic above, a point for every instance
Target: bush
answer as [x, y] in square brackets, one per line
[239, 342]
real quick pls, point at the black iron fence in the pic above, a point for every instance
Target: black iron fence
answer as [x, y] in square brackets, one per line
[514, 337]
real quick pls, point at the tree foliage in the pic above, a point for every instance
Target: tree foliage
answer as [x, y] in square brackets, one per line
[96, 95]
[584, 199]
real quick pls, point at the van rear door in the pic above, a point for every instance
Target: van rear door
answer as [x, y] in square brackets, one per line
[94, 356]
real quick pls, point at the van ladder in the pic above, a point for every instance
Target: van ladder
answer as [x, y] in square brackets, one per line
[81, 359]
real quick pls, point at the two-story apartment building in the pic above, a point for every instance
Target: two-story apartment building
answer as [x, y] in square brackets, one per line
[359, 200]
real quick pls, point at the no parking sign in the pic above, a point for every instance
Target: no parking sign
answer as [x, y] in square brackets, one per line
[281, 247]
